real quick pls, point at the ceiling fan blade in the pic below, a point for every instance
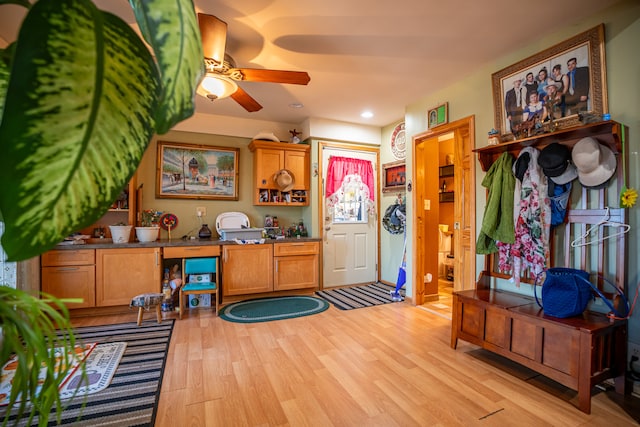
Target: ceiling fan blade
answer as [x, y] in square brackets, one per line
[246, 101]
[214, 37]
[275, 76]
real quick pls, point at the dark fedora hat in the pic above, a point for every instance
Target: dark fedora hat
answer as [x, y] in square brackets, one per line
[555, 161]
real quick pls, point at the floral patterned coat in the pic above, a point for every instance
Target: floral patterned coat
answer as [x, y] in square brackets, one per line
[532, 218]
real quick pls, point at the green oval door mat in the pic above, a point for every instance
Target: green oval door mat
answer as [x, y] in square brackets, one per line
[273, 308]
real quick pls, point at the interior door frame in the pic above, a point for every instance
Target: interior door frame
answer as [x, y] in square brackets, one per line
[464, 210]
[321, 177]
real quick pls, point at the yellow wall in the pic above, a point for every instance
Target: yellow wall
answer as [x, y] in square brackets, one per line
[185, 210]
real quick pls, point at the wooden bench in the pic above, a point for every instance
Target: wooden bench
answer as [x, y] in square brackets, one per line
[577, 352]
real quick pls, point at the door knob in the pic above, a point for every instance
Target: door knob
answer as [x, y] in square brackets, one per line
[327, 228]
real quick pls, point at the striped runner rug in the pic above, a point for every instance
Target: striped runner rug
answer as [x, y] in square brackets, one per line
[132, 397]
[359, 296]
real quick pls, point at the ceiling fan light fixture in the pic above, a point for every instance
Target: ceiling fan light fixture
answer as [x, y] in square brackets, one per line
[216, 86]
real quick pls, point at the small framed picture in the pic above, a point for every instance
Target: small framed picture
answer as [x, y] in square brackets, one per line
[394, 177]
[438, 115]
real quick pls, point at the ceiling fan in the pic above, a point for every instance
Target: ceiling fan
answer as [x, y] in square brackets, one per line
[222, 74]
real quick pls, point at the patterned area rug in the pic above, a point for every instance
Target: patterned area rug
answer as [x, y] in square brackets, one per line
[101, 366]
[132, 397]
[360, 296]
[276, 308]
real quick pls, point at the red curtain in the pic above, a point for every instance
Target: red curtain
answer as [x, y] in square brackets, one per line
[340, 167]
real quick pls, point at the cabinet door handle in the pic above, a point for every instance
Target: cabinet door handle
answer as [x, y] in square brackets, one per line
[67, 268]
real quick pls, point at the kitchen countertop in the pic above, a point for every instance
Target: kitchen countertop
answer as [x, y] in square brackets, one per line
[162, 243]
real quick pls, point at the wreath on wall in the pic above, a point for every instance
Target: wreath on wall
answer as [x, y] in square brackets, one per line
[394, 218]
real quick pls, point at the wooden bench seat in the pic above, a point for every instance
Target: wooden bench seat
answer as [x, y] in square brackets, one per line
[577, 352]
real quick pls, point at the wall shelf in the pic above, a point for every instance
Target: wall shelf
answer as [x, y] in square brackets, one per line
[446, 171]
[446, 197]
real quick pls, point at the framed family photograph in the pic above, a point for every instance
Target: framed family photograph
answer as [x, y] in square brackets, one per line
[187, 171]
[553, 86]
[438, 115]
[394, 176]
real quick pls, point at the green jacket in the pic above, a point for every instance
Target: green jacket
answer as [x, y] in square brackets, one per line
[497, 223]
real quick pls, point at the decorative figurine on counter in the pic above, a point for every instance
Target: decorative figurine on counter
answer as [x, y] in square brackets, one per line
[168, 221]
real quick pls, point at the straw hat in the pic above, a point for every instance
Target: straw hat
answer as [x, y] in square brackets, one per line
[284, 180]
[595, 162]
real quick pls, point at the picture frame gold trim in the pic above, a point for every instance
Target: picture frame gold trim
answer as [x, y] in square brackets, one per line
[590, 44]
[202, 172]
[394, 176]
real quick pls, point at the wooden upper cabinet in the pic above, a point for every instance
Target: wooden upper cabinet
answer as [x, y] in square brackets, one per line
[268, 158]
[270, 161]
[298, 163]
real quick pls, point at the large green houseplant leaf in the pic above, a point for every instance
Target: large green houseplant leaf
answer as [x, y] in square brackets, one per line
[81, 96]
[84, 97]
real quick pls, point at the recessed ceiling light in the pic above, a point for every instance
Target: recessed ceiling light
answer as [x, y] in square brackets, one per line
[366, 114]
[296, 105]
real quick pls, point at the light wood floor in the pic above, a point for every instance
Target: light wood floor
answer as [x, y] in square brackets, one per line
[388, 365]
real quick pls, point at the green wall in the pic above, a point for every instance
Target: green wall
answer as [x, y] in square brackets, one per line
[473, 96]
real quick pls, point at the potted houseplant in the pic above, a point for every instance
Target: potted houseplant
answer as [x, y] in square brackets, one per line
[149, 226]
[30, 328]
[120, 232]
[81, 96]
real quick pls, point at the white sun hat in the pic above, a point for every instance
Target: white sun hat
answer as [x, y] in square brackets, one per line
[267, 136]
[595, 162]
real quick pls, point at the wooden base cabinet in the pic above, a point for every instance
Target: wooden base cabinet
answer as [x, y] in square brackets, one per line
[70, 274]
[124, 273]
[247, 269]
[295, 266]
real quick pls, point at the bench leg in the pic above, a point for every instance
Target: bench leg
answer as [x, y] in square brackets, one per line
[158, 314]
[139, 315]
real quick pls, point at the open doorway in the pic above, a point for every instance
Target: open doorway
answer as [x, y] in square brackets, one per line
[446, 219]
[444, 201]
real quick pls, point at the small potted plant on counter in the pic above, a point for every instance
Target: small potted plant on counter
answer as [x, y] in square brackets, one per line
[120, 232]
[149, 226]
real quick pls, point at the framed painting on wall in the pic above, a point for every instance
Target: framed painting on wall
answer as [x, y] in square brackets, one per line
[394, 176]
[555, 85]
[187, 171]
[438, 115]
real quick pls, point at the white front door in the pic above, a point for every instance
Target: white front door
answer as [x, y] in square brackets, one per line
[350, 230]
